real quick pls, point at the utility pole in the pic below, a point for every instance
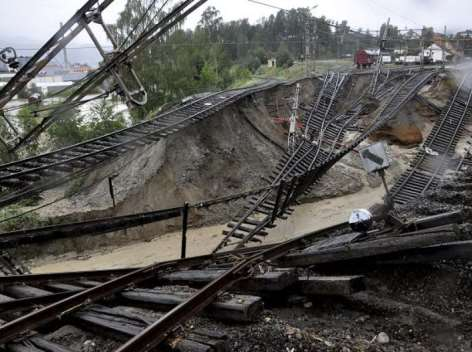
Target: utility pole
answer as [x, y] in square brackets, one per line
[383, 44]
[342, 43]
[380, 59]
[66, 59]
[310, 45]
[310, 42]
[422, 51]
[315, 44]
[443, 64]
[292, 132]
[307, 45]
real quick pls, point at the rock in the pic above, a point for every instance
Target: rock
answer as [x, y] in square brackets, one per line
[294, 300]
[345, 349]
[340, 180]
[382, 338]
[88, 346]
[308, 305]
[374, 180]
[405, 134]
[362, 318]
[292, 330]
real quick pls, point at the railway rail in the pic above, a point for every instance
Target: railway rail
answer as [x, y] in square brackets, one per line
[307, 156]
[95, 300]
[262, 211]
[81, 296]
[24, 178]
[82, 300]
[437, 152]
[311, 155]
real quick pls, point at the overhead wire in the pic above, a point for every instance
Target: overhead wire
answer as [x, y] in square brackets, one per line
[390, 11]
[142, 19]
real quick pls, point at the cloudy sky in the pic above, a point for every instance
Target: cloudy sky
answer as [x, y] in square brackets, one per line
[29, 23]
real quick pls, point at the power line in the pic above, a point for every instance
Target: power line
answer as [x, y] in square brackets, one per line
[267, 5]
[390, 11]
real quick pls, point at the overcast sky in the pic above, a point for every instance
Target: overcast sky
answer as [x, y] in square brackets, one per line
[31, 22]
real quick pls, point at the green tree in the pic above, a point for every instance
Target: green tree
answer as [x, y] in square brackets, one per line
[102, 120]
[27, 120]
[283, 58]
[211, 22]
[67, 130]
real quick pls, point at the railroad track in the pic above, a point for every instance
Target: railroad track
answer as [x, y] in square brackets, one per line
[95, 301]
[437, 152]
[96, 305]
[24, 178]
[116, 305]
[261, 211]
[77, 297]
[320, 149]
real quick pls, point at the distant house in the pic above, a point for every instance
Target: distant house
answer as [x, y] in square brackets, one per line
[51, 87]
[76, 72]
[52, 69]
[272, 62]
[82, 68]
[435, 54]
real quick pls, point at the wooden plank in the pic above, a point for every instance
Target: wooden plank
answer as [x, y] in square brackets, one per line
[59, 286]
[270, 281]
[365, 249]
[123, 325]
[237, 308]
[218, 345]
[4, 298]
[331, 285]
[36, 344]
[89, 283]
[23, 291]
[431, 254]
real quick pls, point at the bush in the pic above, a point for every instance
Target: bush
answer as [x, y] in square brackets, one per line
[239, 73]
[102, 120]
[30, 220]
[261, 54]
[67, 130]
[284, 59]
[253, 63]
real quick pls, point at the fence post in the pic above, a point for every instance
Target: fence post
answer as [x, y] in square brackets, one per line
[184, 213]
[111, 190]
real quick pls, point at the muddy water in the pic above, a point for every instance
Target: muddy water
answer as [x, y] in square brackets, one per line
[307, 217]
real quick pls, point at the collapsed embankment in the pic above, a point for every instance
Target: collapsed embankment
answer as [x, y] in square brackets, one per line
[229, 152]
[226, 153]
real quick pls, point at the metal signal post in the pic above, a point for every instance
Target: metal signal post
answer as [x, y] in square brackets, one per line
[292, 133]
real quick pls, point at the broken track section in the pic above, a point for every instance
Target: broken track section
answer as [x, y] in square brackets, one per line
[24, 178]
[313, 157]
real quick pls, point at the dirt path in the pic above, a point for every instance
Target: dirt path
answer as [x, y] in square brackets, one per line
[307, 217]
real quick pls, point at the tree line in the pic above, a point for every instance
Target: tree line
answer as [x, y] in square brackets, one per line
[218, 54]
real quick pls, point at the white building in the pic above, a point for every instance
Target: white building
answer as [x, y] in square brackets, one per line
[52, 87]
[435, 53]
[47, 84]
